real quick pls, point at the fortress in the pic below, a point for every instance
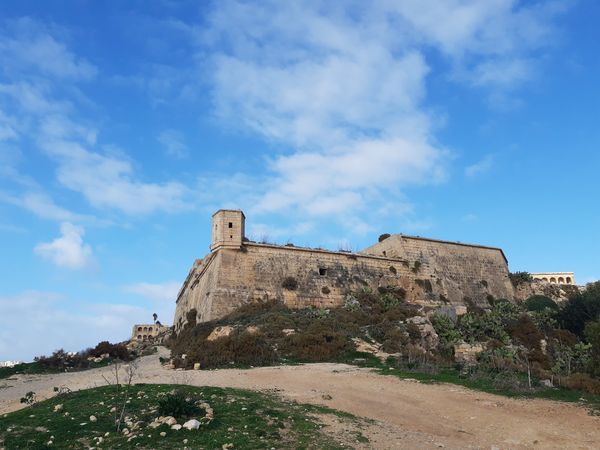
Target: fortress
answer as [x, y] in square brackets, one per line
[430, 272]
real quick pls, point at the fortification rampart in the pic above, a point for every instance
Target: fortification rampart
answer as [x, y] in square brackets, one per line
[430, 272]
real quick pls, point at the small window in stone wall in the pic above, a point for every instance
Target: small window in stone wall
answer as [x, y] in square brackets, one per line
[230, 224]
[322, 271]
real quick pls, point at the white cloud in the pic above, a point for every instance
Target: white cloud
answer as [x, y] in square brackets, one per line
[43, 206]
[174, 143]
[155, 291]
[33, 323]
[49, 114]
[26, 45]
[106, 180]
[68, 250]
[344, 88]
[480, 167]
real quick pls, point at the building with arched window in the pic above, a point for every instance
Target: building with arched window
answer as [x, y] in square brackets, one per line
[555, 277]
[146, 332]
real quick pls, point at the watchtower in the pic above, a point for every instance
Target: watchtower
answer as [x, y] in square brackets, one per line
[227, 229]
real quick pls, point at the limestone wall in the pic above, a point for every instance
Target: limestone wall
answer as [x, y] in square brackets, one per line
[430, 275]
[457, 270]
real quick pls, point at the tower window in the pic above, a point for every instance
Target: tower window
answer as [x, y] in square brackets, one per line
[230, 224]
[230, 236]
[322, 271]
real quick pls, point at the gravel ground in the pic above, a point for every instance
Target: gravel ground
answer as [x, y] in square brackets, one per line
[405, 414]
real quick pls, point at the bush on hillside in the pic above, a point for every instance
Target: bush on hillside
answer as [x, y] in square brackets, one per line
[242, 349]
[115, 351]
[592, 335]
[518, 278]
[319, 342]
[539, 303]
[179, 405]
[581, 308]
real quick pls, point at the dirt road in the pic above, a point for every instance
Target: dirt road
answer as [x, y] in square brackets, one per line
[407, 414]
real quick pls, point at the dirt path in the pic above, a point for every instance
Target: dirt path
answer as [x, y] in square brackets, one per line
[407, 414]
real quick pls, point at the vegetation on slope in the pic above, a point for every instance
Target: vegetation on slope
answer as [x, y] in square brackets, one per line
[522, 343]
[60, 361]
[242, 419]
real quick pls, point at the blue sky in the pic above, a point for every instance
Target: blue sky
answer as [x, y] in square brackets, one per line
[123, 126]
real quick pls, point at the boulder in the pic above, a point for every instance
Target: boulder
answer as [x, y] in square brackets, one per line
[192, 424]
[169, 420]
[176, 427]
[467, 353]
[219, 332]
[429, 338]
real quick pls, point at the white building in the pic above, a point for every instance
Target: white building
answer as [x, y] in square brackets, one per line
[555, 277]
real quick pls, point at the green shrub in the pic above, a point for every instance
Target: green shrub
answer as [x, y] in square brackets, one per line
[447, 333]
[592, 335]
[178, 405]
[383, 237]
[581, 308]
[539, 303]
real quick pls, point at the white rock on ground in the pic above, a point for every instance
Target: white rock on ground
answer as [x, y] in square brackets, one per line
[192, 424]
[176, 427]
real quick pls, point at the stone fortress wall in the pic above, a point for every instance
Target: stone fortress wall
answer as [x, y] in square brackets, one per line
[431, 272]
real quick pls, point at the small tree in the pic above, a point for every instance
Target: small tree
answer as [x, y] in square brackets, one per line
[592, 334]
[155, 317]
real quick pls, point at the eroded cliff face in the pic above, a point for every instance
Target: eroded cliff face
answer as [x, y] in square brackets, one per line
[557, 292]
[430, 273]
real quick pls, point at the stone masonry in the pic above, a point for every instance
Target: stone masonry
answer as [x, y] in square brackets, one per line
[431, 272]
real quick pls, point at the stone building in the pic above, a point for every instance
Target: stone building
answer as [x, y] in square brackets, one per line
[430, 272]
[555, 277]
[145, 332]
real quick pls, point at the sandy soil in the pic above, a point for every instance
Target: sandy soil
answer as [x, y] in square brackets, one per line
[405, 414]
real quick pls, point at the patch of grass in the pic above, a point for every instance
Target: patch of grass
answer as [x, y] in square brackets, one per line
[246, 419]
[489, 382]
